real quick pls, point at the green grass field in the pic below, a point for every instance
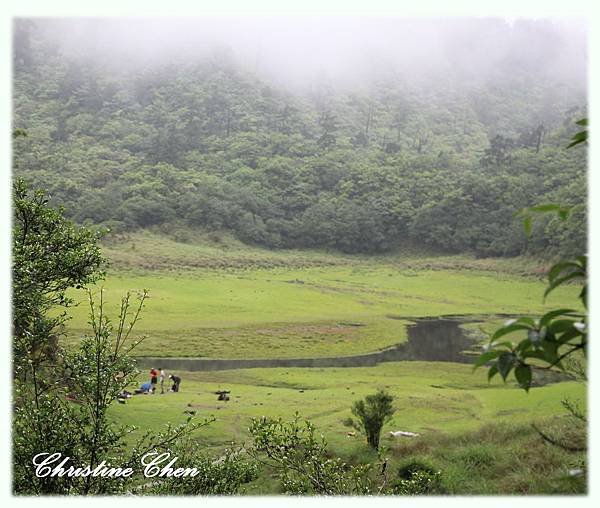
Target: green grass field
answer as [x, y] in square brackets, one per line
[225, 300]
[305, 308]
[431, 397]
[448, 404]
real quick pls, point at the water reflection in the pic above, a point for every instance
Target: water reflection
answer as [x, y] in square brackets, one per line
[429, 339]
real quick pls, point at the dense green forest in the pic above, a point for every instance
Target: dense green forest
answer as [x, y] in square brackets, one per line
[439, 160]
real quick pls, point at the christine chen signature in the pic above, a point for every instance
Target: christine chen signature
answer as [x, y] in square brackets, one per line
[155, 465]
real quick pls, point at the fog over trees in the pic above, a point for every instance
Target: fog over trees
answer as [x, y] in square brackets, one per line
[347, 52]
[358, 134]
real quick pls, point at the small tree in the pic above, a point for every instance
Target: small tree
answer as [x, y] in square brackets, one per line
[50, 254]
[372, 413]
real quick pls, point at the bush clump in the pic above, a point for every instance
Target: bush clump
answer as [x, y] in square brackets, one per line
[415, 477]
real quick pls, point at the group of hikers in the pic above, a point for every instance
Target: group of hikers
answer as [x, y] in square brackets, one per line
[150, 388]
[155, 376]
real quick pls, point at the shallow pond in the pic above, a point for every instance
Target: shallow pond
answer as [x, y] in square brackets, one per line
[429, 339]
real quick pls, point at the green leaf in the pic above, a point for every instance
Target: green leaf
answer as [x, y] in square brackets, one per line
[505, 363]
[509, 329]
[561, 325]
[540, 355]
[569, 335]
[558, 268]
[583, 295]
[524, 345]
[550, 350]
[549, 316]
[523, 375]
[560, 281]
[485, 357]
[526, 321]
[580, 137]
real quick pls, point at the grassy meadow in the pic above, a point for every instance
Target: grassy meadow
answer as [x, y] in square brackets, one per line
[478, 434]
[226, 300]
[431, 397]
[233, 301]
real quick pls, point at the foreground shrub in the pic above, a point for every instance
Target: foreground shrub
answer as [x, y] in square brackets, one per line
[416, 477]
[302, 462]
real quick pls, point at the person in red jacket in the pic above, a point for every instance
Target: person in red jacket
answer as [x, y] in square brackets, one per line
[153, 379]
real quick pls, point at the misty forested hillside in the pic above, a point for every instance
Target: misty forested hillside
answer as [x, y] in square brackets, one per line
[439, 157]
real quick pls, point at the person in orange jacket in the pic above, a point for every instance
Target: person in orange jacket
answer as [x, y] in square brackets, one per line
[153, 379]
